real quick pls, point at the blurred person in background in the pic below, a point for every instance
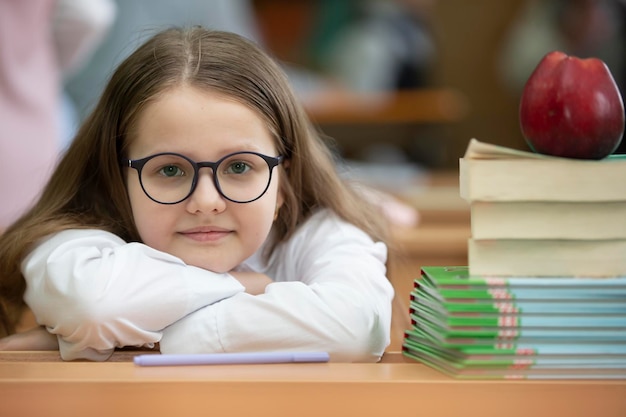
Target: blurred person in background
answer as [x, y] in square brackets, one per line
[325, 46]
[40, 43]
[375, 45]
[351, 45]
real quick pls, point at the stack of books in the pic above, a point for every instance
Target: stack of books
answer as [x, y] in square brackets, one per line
[472, 327]
[537, 215]
[544, 292]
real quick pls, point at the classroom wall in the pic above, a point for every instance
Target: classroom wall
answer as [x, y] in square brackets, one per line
[469, 34]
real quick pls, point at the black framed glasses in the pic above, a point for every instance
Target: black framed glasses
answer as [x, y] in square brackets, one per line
[170, 178]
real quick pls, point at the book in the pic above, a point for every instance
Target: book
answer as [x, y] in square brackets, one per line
[540, 215]
[518, 346]
[516, 367]
[516, 320]
[486, 306]
[459, 277]
[494, 173]
[489, 327]
[548, 220]
[557, 354]
[547, 257]
[453, 291]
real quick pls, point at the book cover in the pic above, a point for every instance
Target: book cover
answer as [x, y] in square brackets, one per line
[519, 346]
[514, 370]
[547, 257]
[505, 333]
[431, 325]
[481, 356]
[548, 220]
[516, 320]
[459, 278]
[486, 306]
[492, 327]
[495, 173]
[616, 321]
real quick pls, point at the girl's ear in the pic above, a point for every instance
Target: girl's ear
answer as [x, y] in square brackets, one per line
[280, 199]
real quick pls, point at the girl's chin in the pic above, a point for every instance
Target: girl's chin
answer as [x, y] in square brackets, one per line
[217, 267]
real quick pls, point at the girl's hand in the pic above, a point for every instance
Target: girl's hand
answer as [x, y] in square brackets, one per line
[254, 282]
[36, 338]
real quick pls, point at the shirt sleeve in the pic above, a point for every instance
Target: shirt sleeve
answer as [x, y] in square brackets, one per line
[333, 296]
[97, 292]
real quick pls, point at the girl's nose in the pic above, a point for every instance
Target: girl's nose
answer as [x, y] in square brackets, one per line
[206, 197]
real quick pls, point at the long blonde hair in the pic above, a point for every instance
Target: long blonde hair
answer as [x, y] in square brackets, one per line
[87, 189]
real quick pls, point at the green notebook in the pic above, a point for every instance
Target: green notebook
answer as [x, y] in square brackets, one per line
[511, 369]
[520, 327]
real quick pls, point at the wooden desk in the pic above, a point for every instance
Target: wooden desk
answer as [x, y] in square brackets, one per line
[37, 384]
[418, 106]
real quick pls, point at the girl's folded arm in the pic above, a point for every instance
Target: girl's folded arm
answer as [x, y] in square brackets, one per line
[97, 292]
[341, 304]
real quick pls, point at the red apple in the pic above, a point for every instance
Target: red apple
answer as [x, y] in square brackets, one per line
[572, 108]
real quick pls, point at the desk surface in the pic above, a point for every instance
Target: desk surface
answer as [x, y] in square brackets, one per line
[441, 105]
[38, 384]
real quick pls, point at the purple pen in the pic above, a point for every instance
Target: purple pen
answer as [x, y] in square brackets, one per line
[229, 358]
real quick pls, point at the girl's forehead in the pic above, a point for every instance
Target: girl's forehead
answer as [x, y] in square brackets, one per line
[199, 122]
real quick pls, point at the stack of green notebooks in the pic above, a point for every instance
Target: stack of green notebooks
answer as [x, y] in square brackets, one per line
[472, 327]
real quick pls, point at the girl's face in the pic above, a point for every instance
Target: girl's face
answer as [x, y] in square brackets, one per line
[205, 230]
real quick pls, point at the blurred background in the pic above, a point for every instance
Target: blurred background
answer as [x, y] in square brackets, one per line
[397, 87]
[388, 80]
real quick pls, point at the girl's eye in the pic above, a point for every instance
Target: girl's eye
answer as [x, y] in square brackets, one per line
[237, 167]
[171, 171]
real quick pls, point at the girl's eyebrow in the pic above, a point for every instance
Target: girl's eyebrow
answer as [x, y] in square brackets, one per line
[192, 154]
[173, 146]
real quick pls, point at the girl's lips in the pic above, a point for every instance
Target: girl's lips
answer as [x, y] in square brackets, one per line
[206, 234]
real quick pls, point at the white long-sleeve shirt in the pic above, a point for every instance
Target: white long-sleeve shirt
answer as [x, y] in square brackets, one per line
[97, 292]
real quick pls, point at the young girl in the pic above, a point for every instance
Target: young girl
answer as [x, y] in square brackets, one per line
[198, 208]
